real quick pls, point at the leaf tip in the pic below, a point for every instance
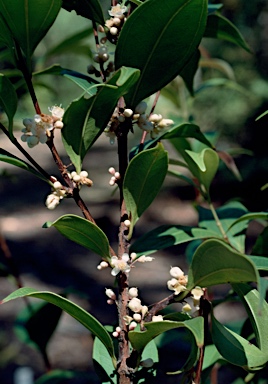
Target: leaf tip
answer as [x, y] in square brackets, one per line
[47, 224]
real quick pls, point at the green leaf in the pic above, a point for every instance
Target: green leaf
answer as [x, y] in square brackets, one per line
[139, 339]
[221, 28]
[6, 40]
[215, 262]
[261, 263]
[78, 313]
[211, 356]
[38, 324]
[236, 349]
[257, 312]
[189, 71]
[11, 159]
[103, 363]
[91, 9]
[143, 179]
[261, 245]
[8, 100]
[168, 236]
[203, 166]
[250, 216]
[154, 39]
[29, 21]
[227, 214]
[82, 232]
[85, 119]
[57, 376]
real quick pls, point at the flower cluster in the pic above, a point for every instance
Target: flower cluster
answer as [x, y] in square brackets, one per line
[81, 178]
[58, 193]
[115, 176]
[178, 282]
[37, 130]
[153, 123]
[115, 23]
[138, 310]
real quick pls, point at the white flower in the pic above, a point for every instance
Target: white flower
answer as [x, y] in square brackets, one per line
[135, 305]
[176, 272]
[158, 318]
[197, 293]
[176, 286]
[117, 10]
[120, 265]
[36, 130]
[56, 112]
[133, 292]
[186, 308]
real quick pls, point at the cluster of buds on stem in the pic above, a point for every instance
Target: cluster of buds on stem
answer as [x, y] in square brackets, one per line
[115, 176]
[178, 282]
[114, 25]
[81, 178]
[38, 129]
[58, 193]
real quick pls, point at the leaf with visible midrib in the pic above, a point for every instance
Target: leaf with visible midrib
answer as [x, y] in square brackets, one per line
[159, 38]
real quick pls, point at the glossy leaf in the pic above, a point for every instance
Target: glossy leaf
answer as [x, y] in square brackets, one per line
[250, 216]
[236, 349]
[29, 21]
[6, 40]
[160, 44]
[82, 232]
[143, 179]
[8, 100]
[11, 159]
[211, 356]
[227, 214]
[103, 363]
[168, 236]
[139, 339]
[203, 166]
[189, 71]
[78, 313]
[261, 263]
[91, 9]
[221, 28]
[38, 325]
[215, 262]
[257, 312]
[85, 119]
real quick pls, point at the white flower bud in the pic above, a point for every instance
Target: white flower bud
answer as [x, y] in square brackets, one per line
[155, 118]
[165, 123]
[141, 107]
[104, 264]
[144, 310]
[176, 272]
[83, 174]
[110, 293]
[132, 325]
[52, 201]
[128, 112]
[133, 255]
[137, 317]
[157, 318]
[110, 301]
[73, 174]
[111, 182]
[113, 31]
[76, 178]
[117, 21]
[57, 185]
[133, 292]
[135, 305]
[58, 124]
[118, 329]
[111, 170]
[117, 175]
[115, 334]
[127, 224]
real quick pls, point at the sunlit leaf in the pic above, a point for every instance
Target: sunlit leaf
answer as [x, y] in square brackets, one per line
[215, 262]
[82, 232]
[139, 339]
[103, 363]
[160, 44]
[236, 349]
[141, 187]
[78, 313]
[86, 118]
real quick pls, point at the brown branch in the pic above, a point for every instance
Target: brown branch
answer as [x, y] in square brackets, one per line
[162, 304]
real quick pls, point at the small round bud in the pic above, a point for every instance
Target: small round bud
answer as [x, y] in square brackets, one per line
[117, 175]
[90, 69]
[113, 31]
[133, 255]
[53, 178]
[58, 124]
[96, 58]
[99, 267]
[127, 224]
[110, 293]
[121, 118]
[128, 112]
[132, 325]
[103, 40]
[111, 170]
[157, 318]
[141, 107]
[110, 301]
[144, 310]
[135, 305]
[115, 334]
[76, 178]
[133, 292]
[105, 57]
[104, 264]
[117, 21]
[118, 329]
[73, 174]
[83, 174]
[176, 272]
[111, 182]
[155, 118]
[137, 317]
[100, 29]
[57, 185]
